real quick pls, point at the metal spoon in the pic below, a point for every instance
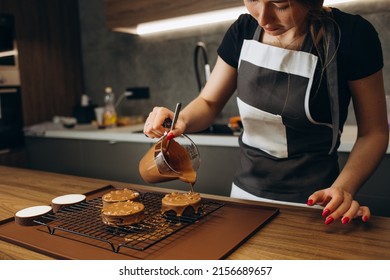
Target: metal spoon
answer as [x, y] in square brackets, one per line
[175, 116]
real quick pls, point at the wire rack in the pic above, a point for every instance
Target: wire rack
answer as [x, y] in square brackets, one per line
[84, 219]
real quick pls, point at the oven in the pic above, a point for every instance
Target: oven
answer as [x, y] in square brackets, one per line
[11, 113]
[11, 118]
[8, 48]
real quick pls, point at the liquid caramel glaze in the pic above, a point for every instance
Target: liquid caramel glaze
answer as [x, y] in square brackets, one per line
[179, 202]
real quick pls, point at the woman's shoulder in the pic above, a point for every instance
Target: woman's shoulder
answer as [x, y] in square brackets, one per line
[350, 23]
[357, 37]
[244, 27]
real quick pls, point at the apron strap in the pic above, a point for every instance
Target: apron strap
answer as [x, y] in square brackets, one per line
[256, 36]
[332, 82]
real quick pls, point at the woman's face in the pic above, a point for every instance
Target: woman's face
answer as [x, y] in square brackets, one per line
[278, 16]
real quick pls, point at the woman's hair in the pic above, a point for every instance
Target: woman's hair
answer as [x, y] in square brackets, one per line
[313, 5]
[318, 17]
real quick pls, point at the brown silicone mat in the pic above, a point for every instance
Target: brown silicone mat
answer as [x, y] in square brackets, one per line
[214, 236]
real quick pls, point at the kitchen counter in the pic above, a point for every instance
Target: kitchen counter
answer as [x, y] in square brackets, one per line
[296, 233]
[132, 134]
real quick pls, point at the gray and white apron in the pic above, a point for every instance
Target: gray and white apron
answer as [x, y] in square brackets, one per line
[286, 153]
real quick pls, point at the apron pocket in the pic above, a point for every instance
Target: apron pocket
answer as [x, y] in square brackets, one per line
[263, 130]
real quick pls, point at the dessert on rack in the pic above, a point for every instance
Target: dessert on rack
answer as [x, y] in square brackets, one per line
[181, 204]
[124, 213]
[120, 195]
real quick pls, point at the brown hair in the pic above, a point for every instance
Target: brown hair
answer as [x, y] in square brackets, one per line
[318, 16]
[312, 5]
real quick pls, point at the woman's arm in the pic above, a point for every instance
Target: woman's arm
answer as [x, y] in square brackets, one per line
[368, 97]
[201, 112]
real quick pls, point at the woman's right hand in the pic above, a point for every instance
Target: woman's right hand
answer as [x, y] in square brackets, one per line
[154, 124]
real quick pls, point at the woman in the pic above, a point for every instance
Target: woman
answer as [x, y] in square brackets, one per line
[296, 65]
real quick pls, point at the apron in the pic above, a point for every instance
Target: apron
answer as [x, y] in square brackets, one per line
[286, 153]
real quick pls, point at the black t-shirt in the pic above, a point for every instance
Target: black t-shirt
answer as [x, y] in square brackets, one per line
[359, 55]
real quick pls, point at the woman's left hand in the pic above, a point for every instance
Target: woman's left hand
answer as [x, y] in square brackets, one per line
[339, 204]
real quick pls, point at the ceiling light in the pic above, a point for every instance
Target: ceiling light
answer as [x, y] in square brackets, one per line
[190, 21]
[196, 20]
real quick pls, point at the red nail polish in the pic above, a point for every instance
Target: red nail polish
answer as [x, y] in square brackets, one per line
[329, 220]
[170, 136]
[325, 213]
[310, 202]
[365, 219]
[345, 220]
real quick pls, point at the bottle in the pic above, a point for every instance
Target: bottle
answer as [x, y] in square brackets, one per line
[109, 115]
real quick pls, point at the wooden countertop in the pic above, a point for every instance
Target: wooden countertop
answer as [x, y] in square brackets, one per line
[296, 233]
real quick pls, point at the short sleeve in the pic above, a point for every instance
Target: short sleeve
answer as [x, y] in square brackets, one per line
[230, 47]
[364, 55]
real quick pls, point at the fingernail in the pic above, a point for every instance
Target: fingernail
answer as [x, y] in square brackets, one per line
[310, 202]
[365, 219]
[325, 213]
[345, 220]
[170, 136]
[329, 220]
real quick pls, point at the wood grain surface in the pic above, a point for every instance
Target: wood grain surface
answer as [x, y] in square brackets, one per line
[296, 233]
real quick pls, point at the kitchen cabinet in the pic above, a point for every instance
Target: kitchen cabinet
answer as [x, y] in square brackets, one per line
[113, 160]
[109, 160]
[49, 50]
[15, 157]
[60, 155]
[129, 13]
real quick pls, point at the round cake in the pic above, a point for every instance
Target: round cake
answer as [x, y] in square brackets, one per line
[120, 196]
[123, 213]
[181, 203]
[66, 200]
[26, 216]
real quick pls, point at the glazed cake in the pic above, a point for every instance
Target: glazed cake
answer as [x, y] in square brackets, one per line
[123, 213]
[120, 195]
[181, 203]
[26, 216]
[66, 200]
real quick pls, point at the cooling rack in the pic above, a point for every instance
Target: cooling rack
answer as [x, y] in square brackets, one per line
[84, 219]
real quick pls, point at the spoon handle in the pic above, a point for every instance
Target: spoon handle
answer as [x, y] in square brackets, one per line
[175, 116]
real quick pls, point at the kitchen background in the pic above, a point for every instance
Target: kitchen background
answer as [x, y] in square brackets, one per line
[66, 50]
[164, 63]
